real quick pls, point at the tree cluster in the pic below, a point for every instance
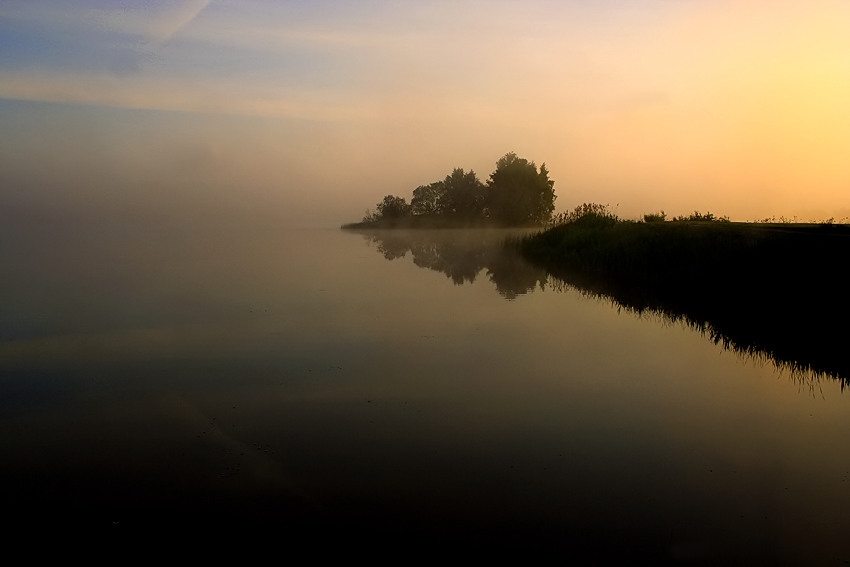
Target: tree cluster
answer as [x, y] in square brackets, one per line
[517, 194]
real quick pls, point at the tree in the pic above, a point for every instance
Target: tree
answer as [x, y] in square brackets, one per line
[464, 196]
[393, 207]
[426, 199]
[519, 194]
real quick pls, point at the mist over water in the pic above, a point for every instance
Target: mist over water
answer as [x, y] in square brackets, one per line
[187, 340]
[336, 382]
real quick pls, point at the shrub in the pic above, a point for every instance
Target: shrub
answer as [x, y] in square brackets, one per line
[655, 217]
[586, 213]
[698, 216]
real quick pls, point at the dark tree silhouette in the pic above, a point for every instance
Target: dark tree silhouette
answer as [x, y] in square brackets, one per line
[463, 196]
[426, 199]
[393, 207]
[519, 194]
[459, 196]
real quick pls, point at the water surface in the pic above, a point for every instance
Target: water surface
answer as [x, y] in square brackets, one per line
[335, 382]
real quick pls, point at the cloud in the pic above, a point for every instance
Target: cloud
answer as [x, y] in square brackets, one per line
[174, 18]
[157, 24]
[138, 91]
[686, 100]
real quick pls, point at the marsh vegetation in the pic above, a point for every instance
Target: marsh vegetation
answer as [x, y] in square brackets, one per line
[772, 289]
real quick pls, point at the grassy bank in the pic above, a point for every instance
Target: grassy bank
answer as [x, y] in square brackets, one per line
[769, 289]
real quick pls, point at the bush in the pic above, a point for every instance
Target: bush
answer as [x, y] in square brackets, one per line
[698, 216]
[585, 214]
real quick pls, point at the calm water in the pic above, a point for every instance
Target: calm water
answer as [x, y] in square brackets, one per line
[332, 382]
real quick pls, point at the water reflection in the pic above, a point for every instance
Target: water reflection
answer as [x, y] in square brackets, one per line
[462, 255]
[296, 381]
[803, 341]
[809, 349]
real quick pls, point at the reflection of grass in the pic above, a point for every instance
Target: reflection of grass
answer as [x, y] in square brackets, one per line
[772, 289]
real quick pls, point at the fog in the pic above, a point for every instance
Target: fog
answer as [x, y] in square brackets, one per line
[211, 112]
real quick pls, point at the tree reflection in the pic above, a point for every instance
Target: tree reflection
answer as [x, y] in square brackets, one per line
[762, 323]
[392, 246]
[462, 255]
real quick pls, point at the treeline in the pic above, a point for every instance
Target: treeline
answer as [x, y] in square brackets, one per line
[516, 194]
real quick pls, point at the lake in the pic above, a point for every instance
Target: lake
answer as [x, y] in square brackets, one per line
[425, 389]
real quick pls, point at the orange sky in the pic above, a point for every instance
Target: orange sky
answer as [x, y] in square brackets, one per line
[313, 112]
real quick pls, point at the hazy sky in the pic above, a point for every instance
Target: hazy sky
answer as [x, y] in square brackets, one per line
[310, 112]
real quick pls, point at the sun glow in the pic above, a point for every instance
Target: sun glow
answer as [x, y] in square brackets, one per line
[736, 107]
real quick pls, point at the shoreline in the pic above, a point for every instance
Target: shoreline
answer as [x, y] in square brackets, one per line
[774, 289]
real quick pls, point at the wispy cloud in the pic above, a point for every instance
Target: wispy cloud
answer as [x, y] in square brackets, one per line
[140, 92]
[154, 23]
[174, 18]
[718, 97]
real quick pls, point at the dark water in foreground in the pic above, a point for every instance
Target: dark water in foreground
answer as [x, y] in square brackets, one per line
[449, 397]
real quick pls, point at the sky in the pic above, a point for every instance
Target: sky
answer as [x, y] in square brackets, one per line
[308, 113]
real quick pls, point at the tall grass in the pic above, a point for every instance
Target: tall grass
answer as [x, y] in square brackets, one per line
[775, 289]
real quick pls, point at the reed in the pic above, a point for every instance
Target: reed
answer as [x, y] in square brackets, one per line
[772, 288]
